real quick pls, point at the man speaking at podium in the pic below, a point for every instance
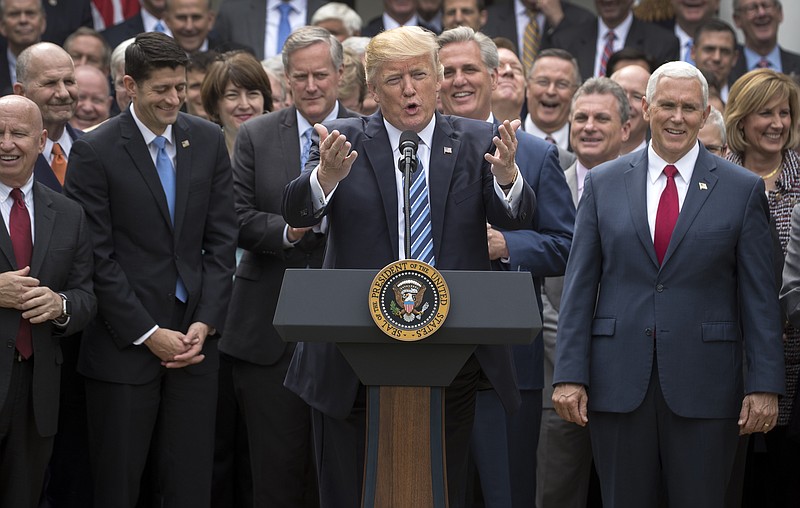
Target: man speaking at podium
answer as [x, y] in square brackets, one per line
[352, 178]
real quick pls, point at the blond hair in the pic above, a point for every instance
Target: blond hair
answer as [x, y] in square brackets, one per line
[752, 92]
[401, 43]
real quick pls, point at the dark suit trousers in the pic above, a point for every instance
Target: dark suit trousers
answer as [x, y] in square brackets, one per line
[69, 483]
[279, 435]
[232, 483]
[339, 444]
[23, 452]
[638, 452]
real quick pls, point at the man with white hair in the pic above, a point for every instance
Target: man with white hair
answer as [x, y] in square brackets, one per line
[712, 135]
[339, 19]
[669, 280]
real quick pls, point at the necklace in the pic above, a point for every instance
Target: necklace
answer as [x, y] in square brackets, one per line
[772, 173]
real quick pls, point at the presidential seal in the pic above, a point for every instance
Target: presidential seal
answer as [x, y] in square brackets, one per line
[409, 300]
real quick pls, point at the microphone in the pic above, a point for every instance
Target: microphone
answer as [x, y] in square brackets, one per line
[408, 151]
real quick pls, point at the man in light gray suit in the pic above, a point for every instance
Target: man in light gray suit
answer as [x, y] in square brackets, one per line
[670, 275]
[600, 126]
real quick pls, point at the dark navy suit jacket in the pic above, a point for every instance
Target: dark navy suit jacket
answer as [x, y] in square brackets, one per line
[363, 227]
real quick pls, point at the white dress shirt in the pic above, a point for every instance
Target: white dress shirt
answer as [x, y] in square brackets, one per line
[657, 180]
[620, 33]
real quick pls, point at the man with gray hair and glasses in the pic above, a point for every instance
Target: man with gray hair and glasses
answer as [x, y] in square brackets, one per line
[759, 21]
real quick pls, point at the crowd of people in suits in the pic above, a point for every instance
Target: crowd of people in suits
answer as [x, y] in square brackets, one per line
[174, 157]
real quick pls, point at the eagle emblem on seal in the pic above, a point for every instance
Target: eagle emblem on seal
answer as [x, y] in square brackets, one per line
[409, 294]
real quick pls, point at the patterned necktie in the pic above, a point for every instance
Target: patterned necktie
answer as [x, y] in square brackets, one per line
[284, 27]
[531, 40]
[667, 214]
[550, 139]
[608, 50]
[763, 64]
[19, 225]
[166, 173]
[421, 235]
[305, 149]
[59, 163]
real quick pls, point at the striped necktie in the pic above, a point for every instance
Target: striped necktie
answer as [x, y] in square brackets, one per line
[531, 40]
[421, 234]
[608, 50]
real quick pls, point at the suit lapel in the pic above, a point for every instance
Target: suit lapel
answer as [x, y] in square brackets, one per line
[183, 170]
[440, 174]
[141, 159]
[290, 143]
[7, 248]
[701, 186]
[636, 187]
[380, 154]
[44, 222]
[571, 175]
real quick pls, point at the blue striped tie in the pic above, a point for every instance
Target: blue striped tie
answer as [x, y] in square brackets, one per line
[421, 235]
[166, 173]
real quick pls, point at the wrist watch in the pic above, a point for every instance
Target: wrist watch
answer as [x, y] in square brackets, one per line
[66, 307]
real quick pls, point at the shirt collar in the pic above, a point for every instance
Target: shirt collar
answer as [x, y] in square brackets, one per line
[147, 134]
[685, 165]
[303, 124]
[5, 190]
[426, 134]
[773, 57]
[620, 31]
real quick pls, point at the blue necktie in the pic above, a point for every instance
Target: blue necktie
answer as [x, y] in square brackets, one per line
[687, 54]
[160, 27]
[166, 173]
[306, 148]
[284, 27]
[421, 235]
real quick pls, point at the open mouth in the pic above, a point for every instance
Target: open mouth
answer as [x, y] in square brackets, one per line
[411, 109]
[9, 158]
[550, 106]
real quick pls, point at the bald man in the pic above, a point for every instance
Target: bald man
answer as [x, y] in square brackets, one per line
[45, 294]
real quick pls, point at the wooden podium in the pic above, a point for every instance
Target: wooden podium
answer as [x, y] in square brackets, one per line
[405, 461]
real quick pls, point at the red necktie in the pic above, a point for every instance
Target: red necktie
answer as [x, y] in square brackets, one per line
[763, 64]
[667, 214]
[20, 227]
[608, 50]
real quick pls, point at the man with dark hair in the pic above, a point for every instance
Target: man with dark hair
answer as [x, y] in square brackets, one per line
[629, 56]
[196, 70]
[157, 189]
[471, 13]
[87, 47]
[715, 51]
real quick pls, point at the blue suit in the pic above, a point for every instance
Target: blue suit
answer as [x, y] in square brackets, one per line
[363, 233]
[670, 335]
[506, 457]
